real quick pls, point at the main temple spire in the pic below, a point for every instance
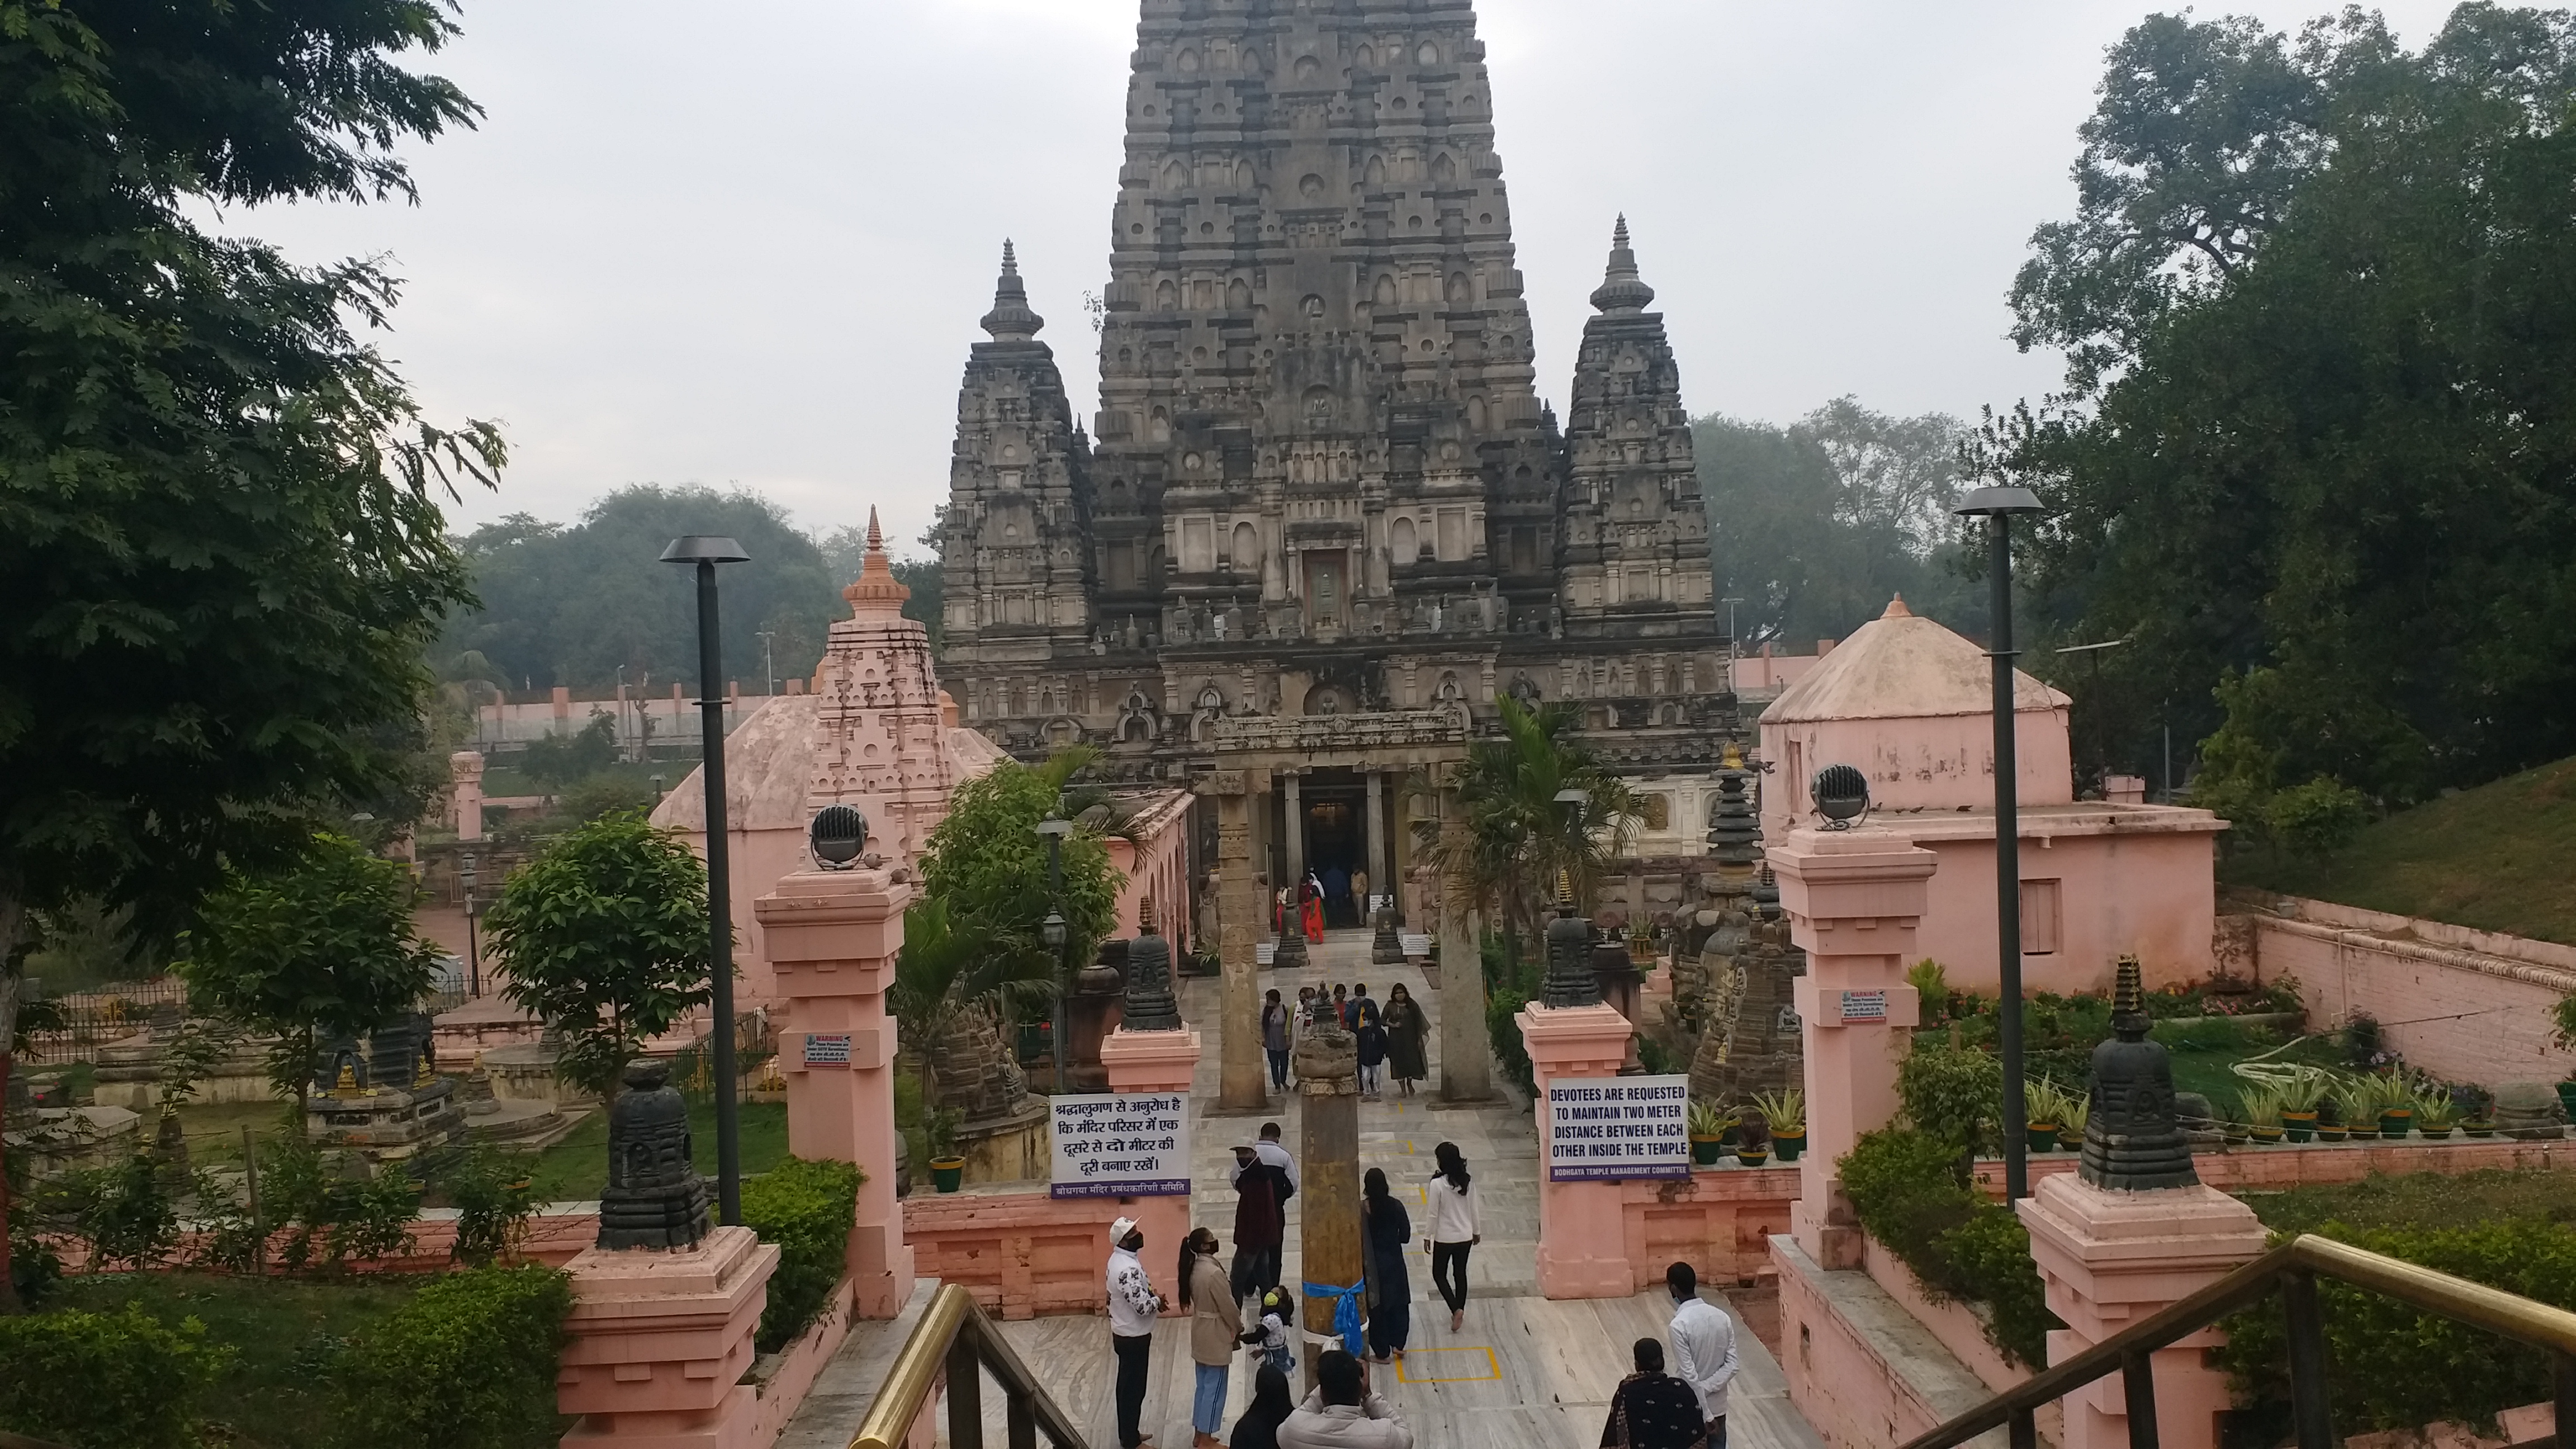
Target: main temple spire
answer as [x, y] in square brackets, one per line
[1011, 320]
[1622, 290]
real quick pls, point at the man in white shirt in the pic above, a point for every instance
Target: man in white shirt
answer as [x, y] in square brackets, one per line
[1269, 1150]
[1133, 1306]
[1703, 1348]
[1341, 1413]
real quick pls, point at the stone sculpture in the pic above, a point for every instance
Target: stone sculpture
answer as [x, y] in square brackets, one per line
[2132, 1141]
[654, 1198]
[1149, 1005]
[1571, 980]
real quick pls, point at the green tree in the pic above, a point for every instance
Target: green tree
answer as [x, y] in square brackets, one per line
[950, 985]
[571, 605]
[986, 864]
[604, 938]
[1518, 836]
[560, 760]
[2321, 476]
[322, 948]
[219, 554]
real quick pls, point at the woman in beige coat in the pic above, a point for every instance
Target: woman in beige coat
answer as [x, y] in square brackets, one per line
[1216, 1325]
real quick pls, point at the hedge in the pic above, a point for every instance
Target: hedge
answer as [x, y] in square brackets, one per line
[468, 1363]
[1502, 1023]
[2391, 1367]
[1909, 1192]
[806, 1209]
[104, 1380]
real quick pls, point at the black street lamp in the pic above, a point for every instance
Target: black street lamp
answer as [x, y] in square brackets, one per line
[1052, 932]
[1997, 506]
[473, 951]
[705, 553]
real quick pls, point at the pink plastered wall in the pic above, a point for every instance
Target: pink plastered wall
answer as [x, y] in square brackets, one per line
[1023, 1253]
[2128, 879]
[1159, 867]
[1936, 763]
[2465, 1005]
[1720, 1222]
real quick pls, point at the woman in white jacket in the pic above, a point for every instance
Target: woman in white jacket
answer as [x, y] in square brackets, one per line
[1453, 1229]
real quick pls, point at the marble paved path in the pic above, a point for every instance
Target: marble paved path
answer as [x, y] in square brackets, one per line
[1524, 1373]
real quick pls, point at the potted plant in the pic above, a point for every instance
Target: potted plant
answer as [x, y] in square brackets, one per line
[1931, 984]
[2435, 1113]
[2396, 1104]
[2562, 1035]
[2075, 1109]
[2357, 1107]
[939, 1134]
[1752, 1143]
[2262, 1107]
[1707, 1134]
[2041, 1101]
[2302, 1093]
[1784, 1116]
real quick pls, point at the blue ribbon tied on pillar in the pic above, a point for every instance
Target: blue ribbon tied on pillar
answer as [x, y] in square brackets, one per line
[1346, 1312]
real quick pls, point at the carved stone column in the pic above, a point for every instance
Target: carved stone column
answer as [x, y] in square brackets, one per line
[1243, 1082]
[1327, 1065]
[1466, 1052]
[1296, 829]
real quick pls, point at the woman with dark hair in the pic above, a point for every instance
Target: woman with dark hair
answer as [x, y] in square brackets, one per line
[1270, 1407]
[1215, 1322]
[1652, 1409]
[1404, 1028]
[1453, 1229]
[1385, 1229]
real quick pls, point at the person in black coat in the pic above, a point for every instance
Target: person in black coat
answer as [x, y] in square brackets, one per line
[1270, 1408]
[1385, 1229]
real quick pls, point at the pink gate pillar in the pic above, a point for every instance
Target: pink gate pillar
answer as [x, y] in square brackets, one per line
[1853, 898]
[1156, 1061]
[659, 1342]
[2109, 1259]
[832, 938]
[1582, 1241]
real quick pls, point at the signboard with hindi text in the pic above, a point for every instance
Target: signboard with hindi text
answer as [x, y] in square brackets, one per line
[1120, 1144]
[1606, 1129]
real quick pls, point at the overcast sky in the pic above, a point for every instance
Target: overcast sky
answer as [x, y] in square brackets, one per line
[747, 244]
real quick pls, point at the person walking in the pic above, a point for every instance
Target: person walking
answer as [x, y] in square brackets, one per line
[1360, 896]
[1371, 1032]
[1260, 1222]
[1454, 1205]
[1651, 1409]
[1133, 1305]
[1703, 1348]
[1270, 1407]
[1274, 1038]
[1277, 1156]
[1385, 1232]
[1341, 1413]
[1405, 1025]
[1215, 1324]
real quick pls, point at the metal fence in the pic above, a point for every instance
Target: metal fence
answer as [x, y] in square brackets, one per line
[81, 1023]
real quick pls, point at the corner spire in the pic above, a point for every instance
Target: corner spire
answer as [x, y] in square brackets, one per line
[1011, 320]
[1621, 290]
[875, 591]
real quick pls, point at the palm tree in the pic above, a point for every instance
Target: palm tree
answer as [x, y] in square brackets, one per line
[1519, 835]
[950, 988]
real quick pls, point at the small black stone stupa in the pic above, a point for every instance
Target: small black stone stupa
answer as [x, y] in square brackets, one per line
[2132, 1140]
[1149, 1005]
[1570, 978]
[655, 1198]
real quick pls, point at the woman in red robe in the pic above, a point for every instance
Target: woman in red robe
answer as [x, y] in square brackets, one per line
[1310, 912]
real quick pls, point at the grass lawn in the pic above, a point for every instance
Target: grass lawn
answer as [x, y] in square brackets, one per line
[2209, 1072]
[283, 1332]
[575, 1169]
[2422, 1199]
[2494, 858]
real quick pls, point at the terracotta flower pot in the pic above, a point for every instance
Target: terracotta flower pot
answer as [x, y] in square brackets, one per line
[2478, 1129]
[2332, 1132]
[2042, 1136]
[1787, 1145]
[2395, 1125]
[947, 1174]
[1753, 1156]
[2299, 1126]
[2267, 1134]
[1707, 1151]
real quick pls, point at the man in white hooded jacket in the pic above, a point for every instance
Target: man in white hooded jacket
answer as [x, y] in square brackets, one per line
[1341, 1413]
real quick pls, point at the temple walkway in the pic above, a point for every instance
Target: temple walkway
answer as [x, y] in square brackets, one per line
[1524, 1373]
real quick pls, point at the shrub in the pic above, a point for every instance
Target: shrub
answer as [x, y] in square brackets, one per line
[1502, 1009]
[104, 1380]
[1954, 1094]
[468, 1363]
[806, 1209]
[1909, 1192]
[493, 1205]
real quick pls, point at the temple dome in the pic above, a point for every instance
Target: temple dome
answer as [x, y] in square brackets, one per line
[1903, 666]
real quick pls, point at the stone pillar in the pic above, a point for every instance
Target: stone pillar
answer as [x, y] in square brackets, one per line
[1854, 898]
[2109, 1259]
[1156, 1061]
[465, 774]
[1294, 836]
[1328, 1242]
[657, 1343]
[1582, 1247]
[832, 937]
[1381, 871]
[1242, 916]
[1466, 1050]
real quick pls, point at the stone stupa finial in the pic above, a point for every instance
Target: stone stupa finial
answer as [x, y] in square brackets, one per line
[876, 590]
[1621, 289]
[1011, 320]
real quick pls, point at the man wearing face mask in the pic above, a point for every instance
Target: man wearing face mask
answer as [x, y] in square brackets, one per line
[1133, 1306]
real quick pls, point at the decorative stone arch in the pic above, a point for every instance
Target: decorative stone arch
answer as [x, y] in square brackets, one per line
[1403, 544]
[1524, 688]
[1063, 729]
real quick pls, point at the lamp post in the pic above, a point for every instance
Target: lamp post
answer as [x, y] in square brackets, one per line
[473, 950]
[1997, 506]
[705, 553]
[1052, 931]
[769, 661]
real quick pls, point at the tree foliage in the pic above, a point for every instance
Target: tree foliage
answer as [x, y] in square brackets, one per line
[2323, 475]
[321, 948]
[1518, 835]
[604, 938]
[571, 605]
[1822, 521]
[986, 871]
[219, 552]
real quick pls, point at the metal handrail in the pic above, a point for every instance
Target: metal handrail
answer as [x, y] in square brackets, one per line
[955, 1338]
[2292, 1269]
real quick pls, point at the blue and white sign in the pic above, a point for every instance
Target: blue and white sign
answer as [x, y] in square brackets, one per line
[1121, 1144]
[1607, 1129]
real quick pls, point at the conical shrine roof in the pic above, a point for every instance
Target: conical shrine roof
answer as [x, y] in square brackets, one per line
[1903, 666]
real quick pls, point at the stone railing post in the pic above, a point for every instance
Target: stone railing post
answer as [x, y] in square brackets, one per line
[1853, 898]
[658, 1341]
[832, 939]
[1582, 1244]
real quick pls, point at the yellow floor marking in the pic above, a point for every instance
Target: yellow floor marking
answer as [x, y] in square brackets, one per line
[1403, 1368]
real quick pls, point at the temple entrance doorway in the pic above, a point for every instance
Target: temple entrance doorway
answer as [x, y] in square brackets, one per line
[1336, 824]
